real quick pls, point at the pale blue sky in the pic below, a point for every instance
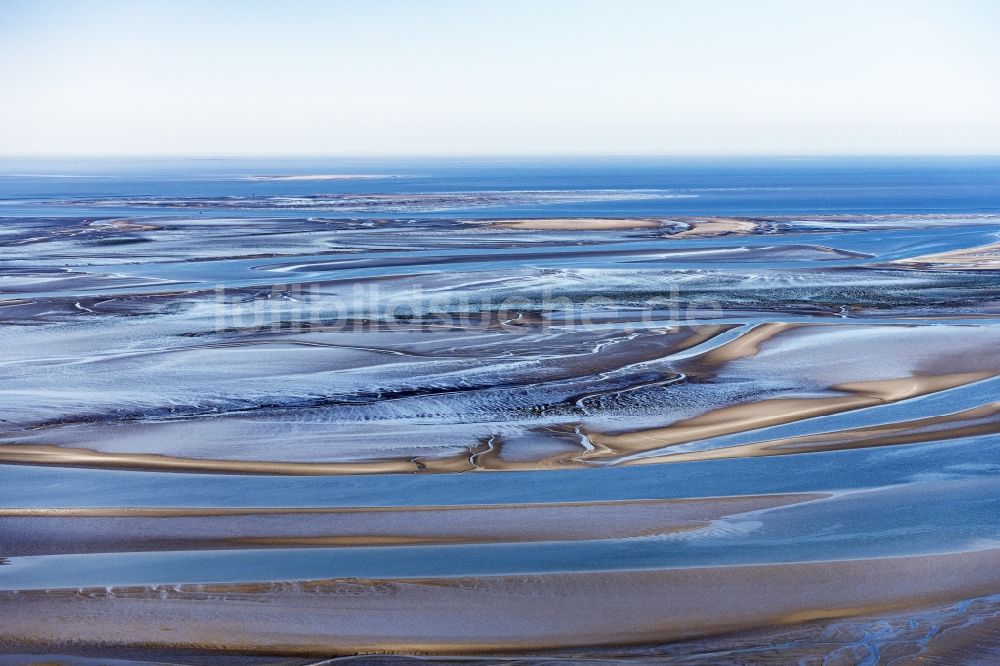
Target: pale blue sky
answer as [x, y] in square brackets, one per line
[446, 77]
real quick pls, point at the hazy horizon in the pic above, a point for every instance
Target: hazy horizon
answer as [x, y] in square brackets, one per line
[498, 156]
[445, 78]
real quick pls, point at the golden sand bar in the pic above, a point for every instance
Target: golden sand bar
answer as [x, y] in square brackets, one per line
[983, 420]
[81, 530]
[767, 413]
[981, 258]
[77, 457]
[483, 614]
[717, 226]
[609, 448]
[934, 370]
[747, 344]
[575, 224]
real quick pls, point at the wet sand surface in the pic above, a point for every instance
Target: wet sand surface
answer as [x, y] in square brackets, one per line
[51, 531]
[324, 414]
[527, 613]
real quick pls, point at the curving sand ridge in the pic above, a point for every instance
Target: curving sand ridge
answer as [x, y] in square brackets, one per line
[983, 420]
[981, 258]
[490, 613]
[609, 448]
[31, 454]
[747, 344]
[717, 226]
[890, 364]
[766, 413]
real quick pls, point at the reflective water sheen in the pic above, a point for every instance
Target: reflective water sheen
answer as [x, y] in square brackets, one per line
[326, 407]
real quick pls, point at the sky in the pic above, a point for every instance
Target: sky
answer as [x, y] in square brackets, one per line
[442, 77]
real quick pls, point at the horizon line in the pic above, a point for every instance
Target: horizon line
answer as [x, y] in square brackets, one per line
[487, 155]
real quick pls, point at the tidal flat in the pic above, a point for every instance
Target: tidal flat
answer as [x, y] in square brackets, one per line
[620, 411]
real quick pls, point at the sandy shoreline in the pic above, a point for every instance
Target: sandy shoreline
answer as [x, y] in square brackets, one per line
[489, 613]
